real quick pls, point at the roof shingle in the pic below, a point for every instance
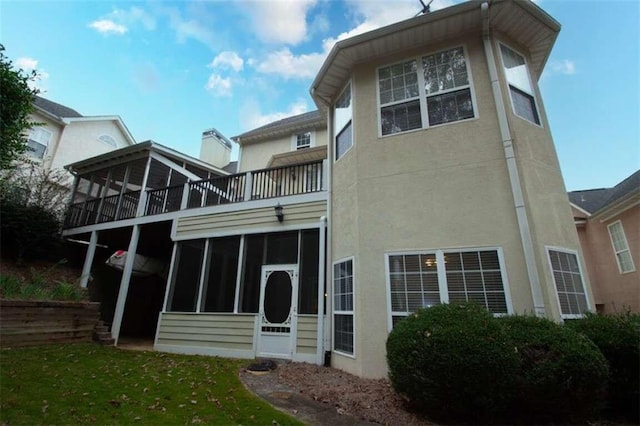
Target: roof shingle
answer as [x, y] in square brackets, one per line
[55, 108]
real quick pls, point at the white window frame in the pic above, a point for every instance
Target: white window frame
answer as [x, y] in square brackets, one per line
[624, 241]
[422, 96]
[40, 141]
[521, 89]
[108, 140]
[589, 303]
[339, 312]
[337, 132]
[442, 276]
[295, 136]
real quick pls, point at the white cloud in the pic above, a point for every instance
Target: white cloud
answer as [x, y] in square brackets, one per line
[227, 59]
[370, 15]
[107, 26]
[26, 63]
[252, 117]
[279, 21]
[133, 16]
[30, 64]
[218, 86]
[564, 66]
[189, 28]
[288, 65]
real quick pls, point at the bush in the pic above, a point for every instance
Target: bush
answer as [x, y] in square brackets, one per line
[562, 374]
[453, 362]
[618, 338]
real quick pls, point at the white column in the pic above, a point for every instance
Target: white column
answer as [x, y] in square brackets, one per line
[142, 203]
[248, 185]
[124, 283]
[88, 259]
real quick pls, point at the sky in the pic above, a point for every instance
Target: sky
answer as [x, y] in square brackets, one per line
[172, 69]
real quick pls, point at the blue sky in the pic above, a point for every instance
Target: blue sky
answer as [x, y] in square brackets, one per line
[174, 69]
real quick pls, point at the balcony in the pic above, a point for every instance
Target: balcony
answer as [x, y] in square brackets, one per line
[263, 184]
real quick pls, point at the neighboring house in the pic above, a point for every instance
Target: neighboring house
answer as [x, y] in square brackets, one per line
[608, 223]
[64, 136]
[428, 175]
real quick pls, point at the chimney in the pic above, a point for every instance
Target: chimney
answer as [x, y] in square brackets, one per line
[215, 148]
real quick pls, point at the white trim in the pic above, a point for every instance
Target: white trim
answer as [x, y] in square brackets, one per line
[336, 312]
[580, 209]
[321, 290]
[590, 304]
[204, 269]
[613, 211]
[239, 269]
[441, 271]
[626, 244]
[533, 95]
[422, 96]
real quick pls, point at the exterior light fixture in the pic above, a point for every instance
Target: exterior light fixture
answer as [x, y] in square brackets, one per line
[279, 214]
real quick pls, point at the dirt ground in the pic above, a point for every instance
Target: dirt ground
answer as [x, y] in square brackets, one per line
[358, 400]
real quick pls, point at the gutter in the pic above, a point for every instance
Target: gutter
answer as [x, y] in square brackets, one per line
[512, 167]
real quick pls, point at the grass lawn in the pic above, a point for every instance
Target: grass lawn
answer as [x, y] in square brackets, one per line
[89, 383]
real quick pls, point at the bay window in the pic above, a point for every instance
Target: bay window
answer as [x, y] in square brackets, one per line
[520, 87]
[569, 285]
[423, 279]
[422, 92]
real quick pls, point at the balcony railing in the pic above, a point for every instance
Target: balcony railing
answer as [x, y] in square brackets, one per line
[255, 185]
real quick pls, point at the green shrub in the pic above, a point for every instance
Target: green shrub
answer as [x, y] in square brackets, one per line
[66, 291]
[618, 338]
[453, 362]
[10, 287]
[562, 376]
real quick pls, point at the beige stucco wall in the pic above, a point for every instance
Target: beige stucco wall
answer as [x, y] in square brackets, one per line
[79, 140]
[256, 156]
[611, 288]
[444, 187]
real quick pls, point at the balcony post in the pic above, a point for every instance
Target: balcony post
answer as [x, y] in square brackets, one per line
[142, 202]
[185, 196]
[124, 283]
[325, 174]
[248, 186]
[88, 260]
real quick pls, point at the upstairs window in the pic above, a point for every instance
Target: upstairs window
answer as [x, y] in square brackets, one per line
[302, 140]
[38, 141]
[342, 125]
[108, 140]
[520, 87]
[422, 92]
[621, 248]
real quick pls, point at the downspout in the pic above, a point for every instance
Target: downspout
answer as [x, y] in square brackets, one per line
[328, 218]
[321, 278]
[512, 167]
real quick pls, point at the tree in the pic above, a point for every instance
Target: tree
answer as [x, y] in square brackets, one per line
[16, 103]
[32, 202]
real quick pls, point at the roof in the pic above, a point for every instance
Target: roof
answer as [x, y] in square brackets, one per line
[286, 125]
[523, 21]
[596, 200]
[58, 110]
[232, 167]
[122, 155]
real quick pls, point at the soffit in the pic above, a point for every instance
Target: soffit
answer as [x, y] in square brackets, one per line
[300, 156]
[524, 22]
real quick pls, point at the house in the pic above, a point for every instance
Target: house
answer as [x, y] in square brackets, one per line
[427, 175]
[608, 224]
[62, 135]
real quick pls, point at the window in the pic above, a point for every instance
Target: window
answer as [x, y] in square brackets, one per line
[621, 248]
[108, 140]
[446, 97]
[302, 140]
[342, 125]
[38, 141]
[517, 74]
[343, 306]
[568, 280]
[423, 279]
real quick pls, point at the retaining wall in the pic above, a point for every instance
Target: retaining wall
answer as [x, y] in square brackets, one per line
[28, 323]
